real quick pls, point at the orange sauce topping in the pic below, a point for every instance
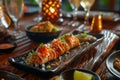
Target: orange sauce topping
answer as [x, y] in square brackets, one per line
[6, 46]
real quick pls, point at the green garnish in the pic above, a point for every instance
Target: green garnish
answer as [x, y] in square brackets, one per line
[23, 58]
[63, 40]
[41, 44]
[65, 35]
[32, 51]
[65, 55]
[55, 29]
[48, 67]
[84, 34]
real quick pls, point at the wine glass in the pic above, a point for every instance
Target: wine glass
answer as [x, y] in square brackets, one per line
[86, 4]
[39, 18]
[15, 11]
[75, 5]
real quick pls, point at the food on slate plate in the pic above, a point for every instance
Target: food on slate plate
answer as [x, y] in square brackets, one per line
[116, 64]
[79, 75]
[6, 46]
[86, 37]
[53, 50]
[47, 52]
[44, 27]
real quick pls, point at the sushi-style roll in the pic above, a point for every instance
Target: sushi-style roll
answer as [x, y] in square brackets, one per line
[59, 46]
[47, 52]
[71, 40]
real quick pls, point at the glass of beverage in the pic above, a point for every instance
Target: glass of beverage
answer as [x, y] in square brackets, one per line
[86, 4]
[39, 18]
[75, 5]
[15, 11]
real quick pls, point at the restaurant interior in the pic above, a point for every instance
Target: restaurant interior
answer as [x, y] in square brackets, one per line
[59, 39]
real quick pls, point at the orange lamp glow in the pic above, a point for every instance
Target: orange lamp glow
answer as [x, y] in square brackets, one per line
[51, 10]
[96, 25]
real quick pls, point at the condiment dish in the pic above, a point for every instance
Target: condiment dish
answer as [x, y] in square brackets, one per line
[7, 47]
[41, 36]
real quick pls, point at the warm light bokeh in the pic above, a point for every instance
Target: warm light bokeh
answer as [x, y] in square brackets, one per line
[51, 10]
[96, 25]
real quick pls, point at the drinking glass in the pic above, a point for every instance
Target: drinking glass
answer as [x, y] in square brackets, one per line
[39, 18]
[15, 11]
[86, 4]
[75, 5]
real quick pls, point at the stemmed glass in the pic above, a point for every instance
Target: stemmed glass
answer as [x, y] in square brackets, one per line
[86, 4]
[15, 11]
[39, 18]
[75, 5]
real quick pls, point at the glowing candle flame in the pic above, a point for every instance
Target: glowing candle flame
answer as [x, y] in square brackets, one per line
[52, 10]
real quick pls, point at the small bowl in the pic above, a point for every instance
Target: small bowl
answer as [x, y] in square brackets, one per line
[68, 74]
[41, 36]
[110, 63]
[7, 47]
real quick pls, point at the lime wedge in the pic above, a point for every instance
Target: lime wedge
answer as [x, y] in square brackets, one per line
[78, 75]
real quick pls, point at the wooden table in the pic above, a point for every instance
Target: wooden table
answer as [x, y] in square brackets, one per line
[24, 44]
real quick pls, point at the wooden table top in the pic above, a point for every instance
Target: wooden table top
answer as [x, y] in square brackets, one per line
[24, 44]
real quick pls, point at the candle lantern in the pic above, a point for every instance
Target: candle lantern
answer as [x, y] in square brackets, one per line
[96, 26]
[51, 10]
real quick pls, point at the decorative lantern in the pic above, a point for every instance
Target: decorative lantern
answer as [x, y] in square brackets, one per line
[96, 26]
[51, 10]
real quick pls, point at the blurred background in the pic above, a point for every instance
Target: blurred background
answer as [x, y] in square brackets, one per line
[108, 5]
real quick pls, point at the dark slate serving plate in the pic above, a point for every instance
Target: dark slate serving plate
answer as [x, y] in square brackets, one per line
[109, 63]
[4, 75]
[62, 61]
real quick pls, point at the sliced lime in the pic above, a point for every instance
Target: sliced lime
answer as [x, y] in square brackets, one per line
[78, 75]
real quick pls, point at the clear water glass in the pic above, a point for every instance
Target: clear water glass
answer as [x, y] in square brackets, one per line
[15, 11]
[87, 4]
[75, 5]
[38, 18]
